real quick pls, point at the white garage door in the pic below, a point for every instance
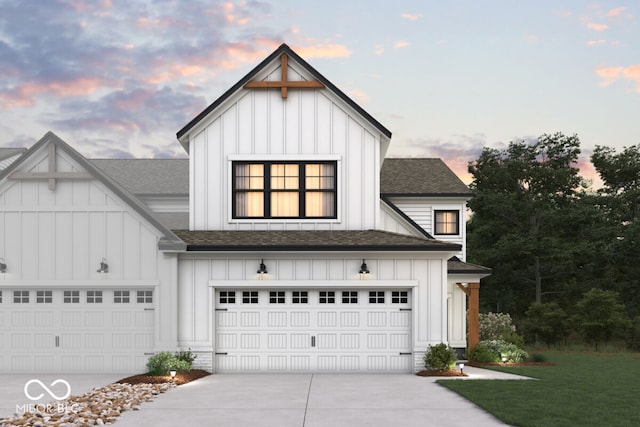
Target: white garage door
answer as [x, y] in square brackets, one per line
[328, 330]
[75, 330]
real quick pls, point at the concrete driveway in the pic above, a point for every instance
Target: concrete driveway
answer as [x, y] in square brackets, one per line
[311, 400]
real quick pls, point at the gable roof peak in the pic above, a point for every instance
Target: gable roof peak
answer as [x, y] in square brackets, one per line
[282, 49]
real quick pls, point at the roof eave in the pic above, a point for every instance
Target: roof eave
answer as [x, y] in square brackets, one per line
[322, 248]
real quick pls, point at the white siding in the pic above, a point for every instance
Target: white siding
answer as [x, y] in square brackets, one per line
[259, 125]
[200, 273]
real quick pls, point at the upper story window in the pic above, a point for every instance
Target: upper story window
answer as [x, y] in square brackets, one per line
[447, 222]
[284, 189]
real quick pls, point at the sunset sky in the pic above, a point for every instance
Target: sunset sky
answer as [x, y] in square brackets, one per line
[120, 78]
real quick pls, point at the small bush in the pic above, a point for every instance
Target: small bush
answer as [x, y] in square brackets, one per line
[495, 326]
[500, 349]
[439, 357]
[162, 363]
[186, 356]
[480, 353]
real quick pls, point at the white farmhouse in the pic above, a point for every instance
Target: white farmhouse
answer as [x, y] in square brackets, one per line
[285, 243]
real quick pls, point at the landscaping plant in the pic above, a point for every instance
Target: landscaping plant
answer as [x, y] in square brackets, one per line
[162, 363]
[439, 357]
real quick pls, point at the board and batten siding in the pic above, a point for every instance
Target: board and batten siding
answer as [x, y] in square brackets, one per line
[58, 239]
[198, 275]
[307, 125]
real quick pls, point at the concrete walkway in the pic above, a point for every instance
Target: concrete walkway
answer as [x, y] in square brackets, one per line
[313, 400]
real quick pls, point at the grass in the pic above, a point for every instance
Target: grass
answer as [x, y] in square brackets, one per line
[583, 389]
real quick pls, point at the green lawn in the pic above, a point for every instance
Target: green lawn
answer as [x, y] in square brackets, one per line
[583, 389]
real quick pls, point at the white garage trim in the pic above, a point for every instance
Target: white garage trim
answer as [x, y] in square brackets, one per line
[314, 284]
[67, 284]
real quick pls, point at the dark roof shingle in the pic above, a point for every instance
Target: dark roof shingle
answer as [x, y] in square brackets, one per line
[339, 240]
[420, 177]
[148, 176]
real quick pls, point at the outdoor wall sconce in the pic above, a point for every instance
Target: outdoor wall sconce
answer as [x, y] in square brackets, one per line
[104, 267]
[3, 266]
[263, 269]
[363, 268]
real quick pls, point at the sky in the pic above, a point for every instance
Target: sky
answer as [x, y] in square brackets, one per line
[119, 78]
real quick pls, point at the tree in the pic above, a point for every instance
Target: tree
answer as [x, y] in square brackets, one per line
[599, 316]
[620, 196]
[523, 196]
[547, 321]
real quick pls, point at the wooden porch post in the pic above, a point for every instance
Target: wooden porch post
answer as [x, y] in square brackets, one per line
[472, 314]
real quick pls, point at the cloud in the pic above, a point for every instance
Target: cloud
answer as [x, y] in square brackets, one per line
[597, 27]
[400, 44]
[360, 96]
[378, 49]
[531, 38]
[596, 42]
[611, 75]
[619, 12]
[411, 16]
[323, 50]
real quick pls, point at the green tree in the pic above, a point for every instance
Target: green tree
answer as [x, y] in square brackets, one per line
[548, 321]
[524, 195]
[620, 198]
[599, 317]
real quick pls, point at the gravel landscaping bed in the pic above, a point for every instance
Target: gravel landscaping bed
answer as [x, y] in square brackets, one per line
[101, 406]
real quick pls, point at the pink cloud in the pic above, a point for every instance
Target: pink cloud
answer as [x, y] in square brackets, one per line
[359, 96]
[411, 16]
[25, 94]
[611, 75]
[614, 13]
[378, 49]
[597, 27]
[400, 44]
[596, 42]
[531, 38]
[323, 50]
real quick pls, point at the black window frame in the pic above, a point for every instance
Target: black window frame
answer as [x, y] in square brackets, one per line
[250, 297]
[436, 222]
[399, 297]
[300, 297]
[349, 297]
[227, 297]
[144, 296]
[94, 297]
[277, 297]
[71, 297]
[121, 297]
[21, 297]
[44, 296]
[327, 297]
[267, 190]
[376, 297]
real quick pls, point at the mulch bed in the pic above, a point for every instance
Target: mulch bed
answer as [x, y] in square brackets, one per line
[449, 373]
[180, 378]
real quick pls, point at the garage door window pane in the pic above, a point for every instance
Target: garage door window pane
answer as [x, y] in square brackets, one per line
[20, 297]
[399, 297]
[376, 297]
[71, 297]
[300, 297]
[121, 297]
[350, 297]
[327, 297]
[0, 297]
[227, 297]
[44, 297]
[144, 297]
[276, 297]
[94, 297]
[250, 297]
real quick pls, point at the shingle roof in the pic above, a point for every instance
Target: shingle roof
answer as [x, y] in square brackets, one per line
[456, 266]
[6, 152]
[352, 240]
[420, 177]
[148, 176]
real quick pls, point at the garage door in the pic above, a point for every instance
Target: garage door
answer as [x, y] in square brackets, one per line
[75, 330]
[336, 330]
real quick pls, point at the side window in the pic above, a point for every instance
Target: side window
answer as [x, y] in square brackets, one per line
[44, 297]
[121, 297]
[227, 297]
[71, 297]
[446, 222]
[144, 297]
[94, 297]
[349, 297]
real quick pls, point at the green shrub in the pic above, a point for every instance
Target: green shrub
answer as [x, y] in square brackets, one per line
[162, 363]
[186, 356]
[495, 326]
[439, 357]
[480, 353]
[500, 349]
